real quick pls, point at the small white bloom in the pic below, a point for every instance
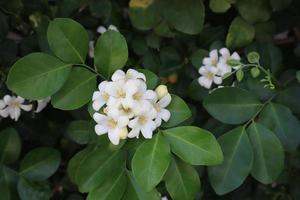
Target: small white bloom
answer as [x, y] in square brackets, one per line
[92, 49]
[209, 76]
[102, 29]
[113, 125]
[225, 56]
[212, 60]
[131, 74]
[100, 97]
[164, 198]
[14, 105]
[3, 112]
[162, 113]
[161, 91]
[41, 104]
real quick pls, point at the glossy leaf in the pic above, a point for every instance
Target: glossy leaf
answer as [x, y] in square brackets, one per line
[290, 97]
[280, 120]
[10, 146]
[33, 190]
[182, 181]
[194, 145]
[135, 192]
[68, 40]
[238, 159]
[268, 154]
[77, 91]
[37, 76]
[151, 161]
[112, 188]
[240, 33]
[96, 167]
[240, 107]
[151, 78]
[81, 131]
[179, 112]
[254, 11]
[40, 163]
[219, 6]
[111, 53]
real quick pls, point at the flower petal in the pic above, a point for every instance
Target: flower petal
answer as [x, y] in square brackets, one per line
[99, 118]
[165, 114]
[118, 75]
[113, 136]
[165, 101]
[26, 107]
[100, 129]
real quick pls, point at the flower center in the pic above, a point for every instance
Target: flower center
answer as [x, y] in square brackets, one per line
[137, 96]
[121, 93]
[210, 75]
[105, 96]
[111, 123]
[214, 62]
[142, 120]
[15, 104]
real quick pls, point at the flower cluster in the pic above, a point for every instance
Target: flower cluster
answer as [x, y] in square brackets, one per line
[216, 66]
[11, 106]
[126, 103]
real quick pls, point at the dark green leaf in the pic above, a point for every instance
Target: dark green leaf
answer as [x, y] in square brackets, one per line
[194, 145]
[219, 6]
[238, 158]
[10, 146]
[81, 131]
[197, 57]
[290, 97]
[33, 190]
[254, 11]
[37, 76]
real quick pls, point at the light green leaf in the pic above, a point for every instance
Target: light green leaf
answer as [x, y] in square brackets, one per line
[96, 167]
[40, 163]
[179, 112]
[254, 11]
[186, 16]
[135, 192]
[238, 158]
[77, 91]
[151, 78]
[219, 6]
[111, 53]
[268, 154]
[240, 34]
[151, 161]
[182, 181]
[113, 188]
[33, 190]
[37, 76]
[280, 120]
[68, 40]
[240, 107]
[81, 131]
[194, 145]
[10, 146]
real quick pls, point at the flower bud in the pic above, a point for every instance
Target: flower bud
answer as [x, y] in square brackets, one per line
[161, 91]
[123, 133]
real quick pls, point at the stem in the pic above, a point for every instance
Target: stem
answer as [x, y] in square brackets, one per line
[91, 69]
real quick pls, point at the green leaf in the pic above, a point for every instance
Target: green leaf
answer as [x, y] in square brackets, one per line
[240, 34]
[238, 159]
[10, 146]
[81, 131]
[196, 91]
[33, 190]
[240, 107]
[8, 182]
[144, 18]
[279, 4]
[279, 119]
[194, 145]
[111, 53]
[290, 97]
[179, 112]
[4, 189]
[239, 75]
[76, 161]
[182, 181]
[186, 16]
[219, 6]
[77, 91]
[151, 161]
[96, 167]
[40, 163]
[135, 192]
[68, 40]
[253, 57]
[197, 57]
[254, 11]
[255, 72]
[37, 76]
[151, 78]
[101, 8]
[113, 188]
[268, 154]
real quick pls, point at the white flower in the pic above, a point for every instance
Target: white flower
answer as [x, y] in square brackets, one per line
[41, 104]
[3, 113]
[209, 76]
[143, 123]
[100, 97]
[212, 60]
[161, 91]
[130, 74]
[222, 65]
[14, 105]
[113, 125]
[102, 29]
[92, 49]
[162, 113]
[164, 198]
